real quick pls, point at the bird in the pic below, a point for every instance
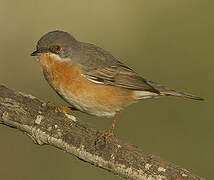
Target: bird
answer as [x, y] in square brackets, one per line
[92, 80]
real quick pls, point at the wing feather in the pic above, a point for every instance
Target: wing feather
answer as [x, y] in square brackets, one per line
[101, 67]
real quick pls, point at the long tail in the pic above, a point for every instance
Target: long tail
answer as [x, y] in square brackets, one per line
[164, 91]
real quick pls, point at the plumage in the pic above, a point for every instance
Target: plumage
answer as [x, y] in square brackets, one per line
[92, 80]
[106, 69]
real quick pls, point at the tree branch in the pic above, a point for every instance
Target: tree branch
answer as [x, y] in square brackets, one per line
[44, 126]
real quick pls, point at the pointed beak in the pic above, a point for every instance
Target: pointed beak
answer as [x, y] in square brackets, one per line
[35, 53]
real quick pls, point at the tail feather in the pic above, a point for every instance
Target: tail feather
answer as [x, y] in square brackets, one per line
[169, 92]
[181, 94]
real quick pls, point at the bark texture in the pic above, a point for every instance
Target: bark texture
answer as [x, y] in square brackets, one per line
[31, 116]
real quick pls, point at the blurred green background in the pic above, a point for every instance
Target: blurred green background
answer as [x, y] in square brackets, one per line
[167, 41]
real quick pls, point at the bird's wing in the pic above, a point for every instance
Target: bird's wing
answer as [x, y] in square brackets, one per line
[102, 68]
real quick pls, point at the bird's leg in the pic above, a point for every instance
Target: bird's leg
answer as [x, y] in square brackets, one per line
[111, 129]
[53, 106]
[106, 134]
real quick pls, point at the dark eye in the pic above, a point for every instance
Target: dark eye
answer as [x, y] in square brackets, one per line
[57, 48]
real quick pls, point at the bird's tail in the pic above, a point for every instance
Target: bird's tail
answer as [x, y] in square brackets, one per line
[164, 91]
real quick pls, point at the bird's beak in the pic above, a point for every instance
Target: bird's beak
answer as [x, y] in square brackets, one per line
[35, 53]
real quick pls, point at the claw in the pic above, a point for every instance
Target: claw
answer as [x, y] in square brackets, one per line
[104, 135]
[52, 106]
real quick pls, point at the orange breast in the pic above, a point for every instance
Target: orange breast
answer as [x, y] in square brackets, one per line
[68, 81]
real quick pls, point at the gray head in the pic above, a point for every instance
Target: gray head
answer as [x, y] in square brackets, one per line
[58, 42]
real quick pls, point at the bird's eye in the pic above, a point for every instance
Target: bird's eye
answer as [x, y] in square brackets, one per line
[57, 48]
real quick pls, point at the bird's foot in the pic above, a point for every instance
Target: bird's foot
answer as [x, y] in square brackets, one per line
[104, 135]
[53, 106]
